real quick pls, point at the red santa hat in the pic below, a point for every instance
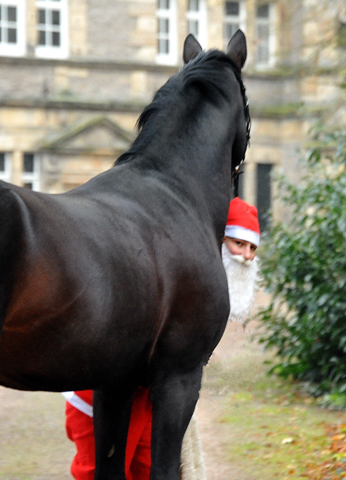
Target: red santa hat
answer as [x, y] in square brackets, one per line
[242, 222]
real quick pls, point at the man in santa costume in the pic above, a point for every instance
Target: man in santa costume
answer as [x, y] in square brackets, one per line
[242, 235]
[80, 429]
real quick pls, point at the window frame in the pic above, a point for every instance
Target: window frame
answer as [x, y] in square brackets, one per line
[238, 20]
[5, 174]
[200, 17]
[48, 50]
[32, 177]
[170, 15]
[17, 49]
[270, 40]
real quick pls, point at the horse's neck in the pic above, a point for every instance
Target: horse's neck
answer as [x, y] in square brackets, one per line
[189, 146]
[200, 176]
[197, 150]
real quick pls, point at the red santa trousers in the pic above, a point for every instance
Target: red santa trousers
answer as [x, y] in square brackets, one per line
[80, 430]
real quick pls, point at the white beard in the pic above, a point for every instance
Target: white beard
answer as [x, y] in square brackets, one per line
[242, 278]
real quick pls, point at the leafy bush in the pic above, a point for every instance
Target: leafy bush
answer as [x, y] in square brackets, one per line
[304, 268]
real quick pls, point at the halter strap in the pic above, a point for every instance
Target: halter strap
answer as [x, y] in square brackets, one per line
[236, 172]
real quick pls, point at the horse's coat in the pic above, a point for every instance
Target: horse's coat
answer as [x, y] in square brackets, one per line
[119, 282]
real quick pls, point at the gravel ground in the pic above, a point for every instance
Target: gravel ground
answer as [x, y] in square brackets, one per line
[236, 344]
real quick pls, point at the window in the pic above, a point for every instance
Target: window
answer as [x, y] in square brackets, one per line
[235, 17]
[264, 35]
[5, 167]
[264, 195]
[166, 32]
[197, 20]
[52, 29]
[31, 173]
[12, 28]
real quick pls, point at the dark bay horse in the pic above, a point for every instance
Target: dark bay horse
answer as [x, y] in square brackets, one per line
[119, 282]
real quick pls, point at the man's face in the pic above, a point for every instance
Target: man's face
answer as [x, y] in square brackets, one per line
[241, 248]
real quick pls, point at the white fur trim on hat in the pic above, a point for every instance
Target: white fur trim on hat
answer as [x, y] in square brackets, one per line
[241, 233]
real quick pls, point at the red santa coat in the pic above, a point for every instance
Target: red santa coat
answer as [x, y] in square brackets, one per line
[80, 429]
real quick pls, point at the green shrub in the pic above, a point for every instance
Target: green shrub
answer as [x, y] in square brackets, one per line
[304, 268]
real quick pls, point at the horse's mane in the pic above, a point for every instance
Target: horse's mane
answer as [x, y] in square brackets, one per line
[203, 74]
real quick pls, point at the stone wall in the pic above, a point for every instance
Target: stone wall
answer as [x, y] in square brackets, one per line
[111, 75]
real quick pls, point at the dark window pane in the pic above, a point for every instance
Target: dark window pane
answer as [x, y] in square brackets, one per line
[56, 39]
[230, 29]
[0, 12]
[12, 14]
[2, 162]
[262, 54]
[0, 34]
[41, 37]
[28, 163]
[262, 51]
[28, 185]
[193, 27]
[263, 11]
[163, 25]
[55, 17]
[232, 8]
[262, 32]
[41, 16]
[263, 194]
[193, 5]
[12, 35]
[163, 4]
[163, 46]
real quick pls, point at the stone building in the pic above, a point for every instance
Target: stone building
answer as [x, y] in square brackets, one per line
[75, 75]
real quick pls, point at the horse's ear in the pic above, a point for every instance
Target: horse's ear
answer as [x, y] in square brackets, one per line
[191, 48]
[236, 49]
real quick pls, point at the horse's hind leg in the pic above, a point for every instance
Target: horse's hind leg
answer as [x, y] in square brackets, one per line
[174, 399]
[111, 419]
